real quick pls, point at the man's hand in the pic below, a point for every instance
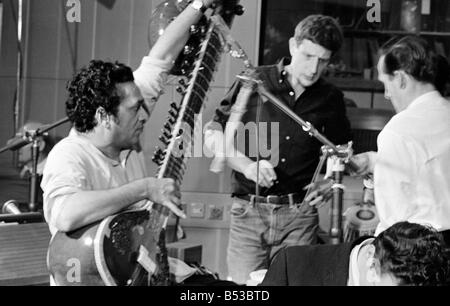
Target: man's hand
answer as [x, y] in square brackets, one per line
[321, 192]
[365, 163]
[165, 192]
[267, 174]
[248, 86]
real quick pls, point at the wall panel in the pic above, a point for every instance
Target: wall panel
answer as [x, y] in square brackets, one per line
[112, 31]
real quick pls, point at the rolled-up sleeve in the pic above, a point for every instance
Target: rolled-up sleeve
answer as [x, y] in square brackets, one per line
[151, 77]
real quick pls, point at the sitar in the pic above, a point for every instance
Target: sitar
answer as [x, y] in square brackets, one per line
[129, 248]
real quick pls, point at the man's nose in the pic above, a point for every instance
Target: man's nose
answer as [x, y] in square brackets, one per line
[314, 66]
[143, 115]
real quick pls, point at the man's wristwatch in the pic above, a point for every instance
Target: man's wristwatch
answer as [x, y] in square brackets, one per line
[199, 6]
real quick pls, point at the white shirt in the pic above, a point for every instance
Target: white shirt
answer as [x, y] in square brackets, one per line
[412, 172]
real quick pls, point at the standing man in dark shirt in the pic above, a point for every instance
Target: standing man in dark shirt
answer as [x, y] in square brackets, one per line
[262, 224]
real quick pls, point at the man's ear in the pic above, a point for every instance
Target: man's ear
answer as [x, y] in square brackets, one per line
[402, 78]
[373, 274]
[293, 45]
[370, 250]
[102, 117]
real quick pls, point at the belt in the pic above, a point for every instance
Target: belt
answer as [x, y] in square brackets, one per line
[288, 199]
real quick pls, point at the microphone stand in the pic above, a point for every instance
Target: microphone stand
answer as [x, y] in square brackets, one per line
[34, 138]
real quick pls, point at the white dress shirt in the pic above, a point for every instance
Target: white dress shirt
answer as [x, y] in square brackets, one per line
[412, 172]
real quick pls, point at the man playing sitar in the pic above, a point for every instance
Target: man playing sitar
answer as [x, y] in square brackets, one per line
[96, 171]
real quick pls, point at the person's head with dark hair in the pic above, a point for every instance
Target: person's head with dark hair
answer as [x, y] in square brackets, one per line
[322, 30]
[103, 96]
[409, 254]
[408, 67]
[93, 87]
[317, 38]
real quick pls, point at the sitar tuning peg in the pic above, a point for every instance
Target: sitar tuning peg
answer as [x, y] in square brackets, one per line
[182, 82]
[164, 140]
[188, 49]
[166, 133]
[173, 113]
[180, 90]
[194, 29]
[156, 160]
[158, 156]
[167, 126]
[171, 120]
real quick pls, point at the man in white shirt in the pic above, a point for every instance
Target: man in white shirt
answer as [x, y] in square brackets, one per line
[86, 177]
[412, 166]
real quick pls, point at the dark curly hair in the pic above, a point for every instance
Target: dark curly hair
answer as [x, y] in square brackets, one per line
[321, 30]
[92, 87]
[415, 56]
[414, 254]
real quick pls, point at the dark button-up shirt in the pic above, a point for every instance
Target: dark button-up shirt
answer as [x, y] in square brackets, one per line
[293, 153]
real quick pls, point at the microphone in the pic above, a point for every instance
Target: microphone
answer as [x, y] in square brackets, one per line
[10, 207]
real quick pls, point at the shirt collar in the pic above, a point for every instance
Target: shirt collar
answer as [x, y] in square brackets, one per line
[124, 155]
[429, 96]
[282, 74]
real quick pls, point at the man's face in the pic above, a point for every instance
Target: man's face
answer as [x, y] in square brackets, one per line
[391, 85]
[308, 61]
[131, 117]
